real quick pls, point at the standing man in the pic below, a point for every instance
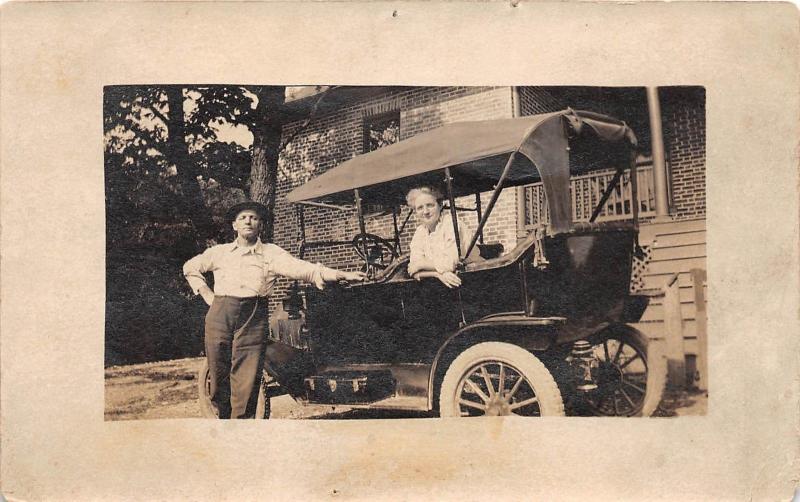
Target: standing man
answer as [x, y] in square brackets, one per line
[245, 271]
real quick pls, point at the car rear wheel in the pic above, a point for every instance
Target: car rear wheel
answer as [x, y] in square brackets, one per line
[630, 376]
[207, 408]
[496, 378]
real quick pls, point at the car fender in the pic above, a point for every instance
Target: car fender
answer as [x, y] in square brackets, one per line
[535, 334]
[288, 365]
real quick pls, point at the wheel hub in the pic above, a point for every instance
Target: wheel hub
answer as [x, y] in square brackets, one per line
[498, 406]
[610, 372]
[621, 377]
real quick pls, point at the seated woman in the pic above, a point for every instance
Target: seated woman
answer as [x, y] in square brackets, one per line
[433, 247]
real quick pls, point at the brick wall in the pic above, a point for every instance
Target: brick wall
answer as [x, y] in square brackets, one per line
[684, 124]
[490, 104]
[338, 136]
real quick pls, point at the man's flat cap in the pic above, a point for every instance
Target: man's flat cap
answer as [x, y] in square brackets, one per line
[234, 211]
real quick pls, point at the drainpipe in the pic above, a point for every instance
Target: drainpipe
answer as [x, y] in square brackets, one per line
[517, 112]
[657, 145]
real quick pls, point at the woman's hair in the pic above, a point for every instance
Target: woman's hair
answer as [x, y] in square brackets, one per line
[415, 192]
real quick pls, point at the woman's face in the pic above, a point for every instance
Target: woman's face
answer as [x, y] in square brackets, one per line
[427, 209]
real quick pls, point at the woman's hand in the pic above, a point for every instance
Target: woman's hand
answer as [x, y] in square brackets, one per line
[450, 279]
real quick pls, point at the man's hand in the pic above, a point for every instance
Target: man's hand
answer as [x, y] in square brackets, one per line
[207, 294]
[351, 276]
[332, 275]
[450, 279]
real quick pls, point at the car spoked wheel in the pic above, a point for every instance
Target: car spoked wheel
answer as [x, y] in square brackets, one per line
[496, 379]
[207, 408]
[263, 406]
[628, 383]
[494, 388]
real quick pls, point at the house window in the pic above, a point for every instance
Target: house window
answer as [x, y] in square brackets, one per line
[381, 130]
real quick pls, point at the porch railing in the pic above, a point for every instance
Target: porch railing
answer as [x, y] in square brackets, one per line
[586, 191]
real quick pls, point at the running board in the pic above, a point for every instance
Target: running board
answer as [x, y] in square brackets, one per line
[419, 403]
[407, 403]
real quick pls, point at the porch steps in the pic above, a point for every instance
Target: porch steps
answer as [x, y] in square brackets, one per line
[659, 265]
[673, 319]
[649, 230]
[655, 311]
[676, 248]
[662, 253]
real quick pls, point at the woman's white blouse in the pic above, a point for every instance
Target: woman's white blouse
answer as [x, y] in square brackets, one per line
[439, 246]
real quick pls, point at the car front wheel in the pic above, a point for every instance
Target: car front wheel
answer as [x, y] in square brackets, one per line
[496, 378]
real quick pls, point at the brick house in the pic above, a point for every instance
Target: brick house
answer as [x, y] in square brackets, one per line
[669, 123]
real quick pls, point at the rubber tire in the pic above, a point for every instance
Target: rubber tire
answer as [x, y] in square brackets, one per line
[264, 406]
[207, 408]
[550, 402]
[656, 366]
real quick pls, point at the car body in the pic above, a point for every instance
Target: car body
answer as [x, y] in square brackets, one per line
[531, 328]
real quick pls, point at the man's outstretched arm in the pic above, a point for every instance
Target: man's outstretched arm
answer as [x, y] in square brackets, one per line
[315, 273]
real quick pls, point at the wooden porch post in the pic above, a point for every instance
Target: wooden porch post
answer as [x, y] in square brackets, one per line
[657, 146]
[701, 321]
[673, 334]
[516, 111]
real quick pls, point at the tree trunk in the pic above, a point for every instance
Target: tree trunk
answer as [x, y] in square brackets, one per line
[178, 153]
[270, 116]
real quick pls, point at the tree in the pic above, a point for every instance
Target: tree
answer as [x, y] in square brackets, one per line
[163, 152]
[267, 131]
[161, 155]
[140, 190]
[270, 118]
[215, 109]
[177, 153]
[175, 158]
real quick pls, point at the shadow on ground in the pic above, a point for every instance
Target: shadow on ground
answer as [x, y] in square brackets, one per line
[168, 389]
[678, 402]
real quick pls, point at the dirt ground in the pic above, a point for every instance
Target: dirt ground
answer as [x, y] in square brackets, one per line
[168, 389]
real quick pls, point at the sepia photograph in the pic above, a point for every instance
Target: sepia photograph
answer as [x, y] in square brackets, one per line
[435, 251]
[377, 252]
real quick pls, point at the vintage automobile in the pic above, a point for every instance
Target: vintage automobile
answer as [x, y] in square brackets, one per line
[530, 330]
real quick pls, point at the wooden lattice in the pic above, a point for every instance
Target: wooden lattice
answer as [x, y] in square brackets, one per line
[639, 268]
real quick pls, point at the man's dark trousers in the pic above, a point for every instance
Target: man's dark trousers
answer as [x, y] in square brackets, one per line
[235, 336]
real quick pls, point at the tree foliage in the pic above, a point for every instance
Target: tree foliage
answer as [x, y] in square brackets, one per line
[176, 157]
[215, 109]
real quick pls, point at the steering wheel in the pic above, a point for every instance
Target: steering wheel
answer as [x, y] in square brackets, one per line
[380, 252]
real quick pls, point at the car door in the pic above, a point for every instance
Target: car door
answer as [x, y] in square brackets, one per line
[431, 313]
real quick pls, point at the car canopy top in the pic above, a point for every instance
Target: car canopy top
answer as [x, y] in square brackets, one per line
[526, 150]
